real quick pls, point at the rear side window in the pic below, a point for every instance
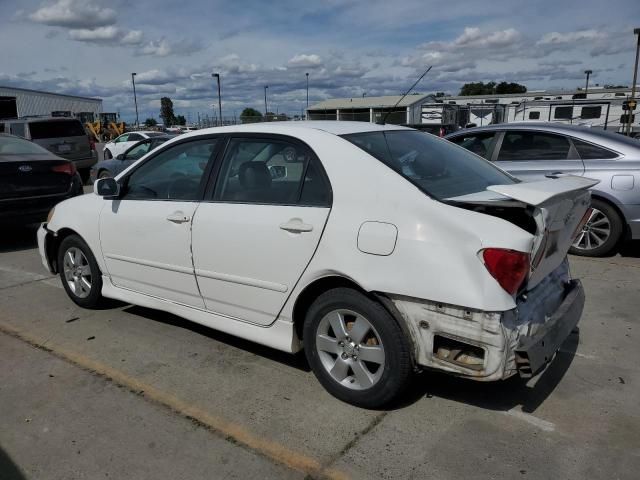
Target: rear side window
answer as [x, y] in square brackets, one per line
[480, 143]
[56, 129]
[589, 151]
[533, 146]
[436, 166]
[134, 137]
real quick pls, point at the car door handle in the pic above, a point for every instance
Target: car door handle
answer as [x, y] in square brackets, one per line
[178, 217]
[296, 225]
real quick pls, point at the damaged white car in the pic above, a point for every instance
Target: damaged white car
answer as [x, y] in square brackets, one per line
[378, 249]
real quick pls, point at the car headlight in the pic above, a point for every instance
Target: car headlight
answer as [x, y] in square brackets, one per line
[50, 216]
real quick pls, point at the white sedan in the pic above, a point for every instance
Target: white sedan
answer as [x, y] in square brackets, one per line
[378, 249]
[122, 143]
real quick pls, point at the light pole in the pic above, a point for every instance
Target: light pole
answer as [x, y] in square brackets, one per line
[586, 87]
[636, 32]
[307, 74]
[217, 76]
[135, 99]
[265, 101]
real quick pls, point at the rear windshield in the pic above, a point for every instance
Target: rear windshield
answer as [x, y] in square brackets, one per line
[20, 146]
[154, 134]
[56, 129]
[438, 167]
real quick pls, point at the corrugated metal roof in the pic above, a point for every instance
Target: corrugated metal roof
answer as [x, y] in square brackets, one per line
[368, 102]
[42, 92]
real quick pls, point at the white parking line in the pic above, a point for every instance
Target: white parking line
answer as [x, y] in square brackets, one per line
[535, 421]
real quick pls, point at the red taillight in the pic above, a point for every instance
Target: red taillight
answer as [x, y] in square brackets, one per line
[509, 267]
[69, 168]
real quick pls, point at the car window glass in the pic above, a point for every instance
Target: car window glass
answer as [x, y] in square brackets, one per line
[17, 129]
[56, 129]
[174, 174]
[261, 171]
[589, 151]
[533, 146]
[20, 146]
[134, 137]
[138, 151]
[436, 166]
[122, 138]
[480, 143]
[315, 188]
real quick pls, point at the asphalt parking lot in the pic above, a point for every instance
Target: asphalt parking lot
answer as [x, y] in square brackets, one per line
[128, 392]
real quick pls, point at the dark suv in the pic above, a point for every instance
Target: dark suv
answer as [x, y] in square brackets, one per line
[65, 137]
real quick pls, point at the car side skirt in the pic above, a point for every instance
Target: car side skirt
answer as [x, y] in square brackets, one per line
[279, 335]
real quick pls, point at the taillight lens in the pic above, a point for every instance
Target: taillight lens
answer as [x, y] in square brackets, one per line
[69, 168]
[509, 267]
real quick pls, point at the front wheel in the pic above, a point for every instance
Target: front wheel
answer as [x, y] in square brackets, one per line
[79, 272]
[601, 233]
[356, 349]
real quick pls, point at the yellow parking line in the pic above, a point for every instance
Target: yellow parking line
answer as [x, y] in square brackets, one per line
[264, 446]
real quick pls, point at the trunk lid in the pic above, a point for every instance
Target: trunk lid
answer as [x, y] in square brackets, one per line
[32, 176]
[558, 205]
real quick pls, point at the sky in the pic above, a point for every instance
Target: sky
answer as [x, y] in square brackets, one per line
[348, 47]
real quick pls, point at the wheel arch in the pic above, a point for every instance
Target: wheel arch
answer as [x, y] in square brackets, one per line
[54, 244]
[609, 201]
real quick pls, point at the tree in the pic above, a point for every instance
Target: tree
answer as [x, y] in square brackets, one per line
[440, 94]
[250, 115]
[150, 122]
[180, 120]
[491, 88]
[166, 111]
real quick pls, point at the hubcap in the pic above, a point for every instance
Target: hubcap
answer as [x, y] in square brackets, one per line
[77, 272]
[595, 233]
[350, 349]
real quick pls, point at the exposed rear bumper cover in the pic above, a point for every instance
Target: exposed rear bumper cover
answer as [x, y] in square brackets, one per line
[533, 353]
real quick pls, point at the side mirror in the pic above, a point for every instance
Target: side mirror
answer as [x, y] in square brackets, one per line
[120, 157]
[277, 171]
[106, 187]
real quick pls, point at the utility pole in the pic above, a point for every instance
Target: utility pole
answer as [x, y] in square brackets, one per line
[135, 99]
[307, 74]
[586, 87]
[265, 102]
[636, 32]
[217, 76]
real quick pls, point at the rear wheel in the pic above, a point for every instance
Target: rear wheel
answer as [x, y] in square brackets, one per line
[79, 272]
[356, 349]
[601, 233]
[107, 155]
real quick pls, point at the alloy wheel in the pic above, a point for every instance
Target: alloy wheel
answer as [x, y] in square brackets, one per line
[77, 272]
[350, 349]
[596, 231]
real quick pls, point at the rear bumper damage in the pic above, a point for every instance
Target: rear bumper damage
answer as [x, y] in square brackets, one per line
[491, 346]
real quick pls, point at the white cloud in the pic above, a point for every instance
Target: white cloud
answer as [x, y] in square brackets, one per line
[304, 60]
[474, 37]
[80, 14]
[557, 38]
[164, 47]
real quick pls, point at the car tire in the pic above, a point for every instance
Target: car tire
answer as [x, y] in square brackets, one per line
[356, 349]
[79, 272]
[104, 174]
[604, 219]
[107, 154]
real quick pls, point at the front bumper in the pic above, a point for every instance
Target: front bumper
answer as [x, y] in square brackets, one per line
[44, 237]
[491, 346]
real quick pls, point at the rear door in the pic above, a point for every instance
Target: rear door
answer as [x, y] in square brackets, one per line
[254, 237]
[534, 155]
[64, 137]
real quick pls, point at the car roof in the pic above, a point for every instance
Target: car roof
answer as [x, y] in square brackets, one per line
[606, 138]
[335, 127]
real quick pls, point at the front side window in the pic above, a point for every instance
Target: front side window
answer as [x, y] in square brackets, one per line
[262, 171]
[134, 137]
[438, 167]
[479, 143]
[533, 146]
[122, 138]
[174, 174]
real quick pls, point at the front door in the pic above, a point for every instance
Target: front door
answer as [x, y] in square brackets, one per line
[146, 234]
[530, 155]
[260, 228]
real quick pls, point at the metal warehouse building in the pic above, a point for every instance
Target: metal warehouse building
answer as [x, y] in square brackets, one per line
[372, 109]
[21, 102]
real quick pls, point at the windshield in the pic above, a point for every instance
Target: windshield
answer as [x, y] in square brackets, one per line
[19, 146]
[438, 167]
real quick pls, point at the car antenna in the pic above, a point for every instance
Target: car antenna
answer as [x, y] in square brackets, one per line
[408, 91]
